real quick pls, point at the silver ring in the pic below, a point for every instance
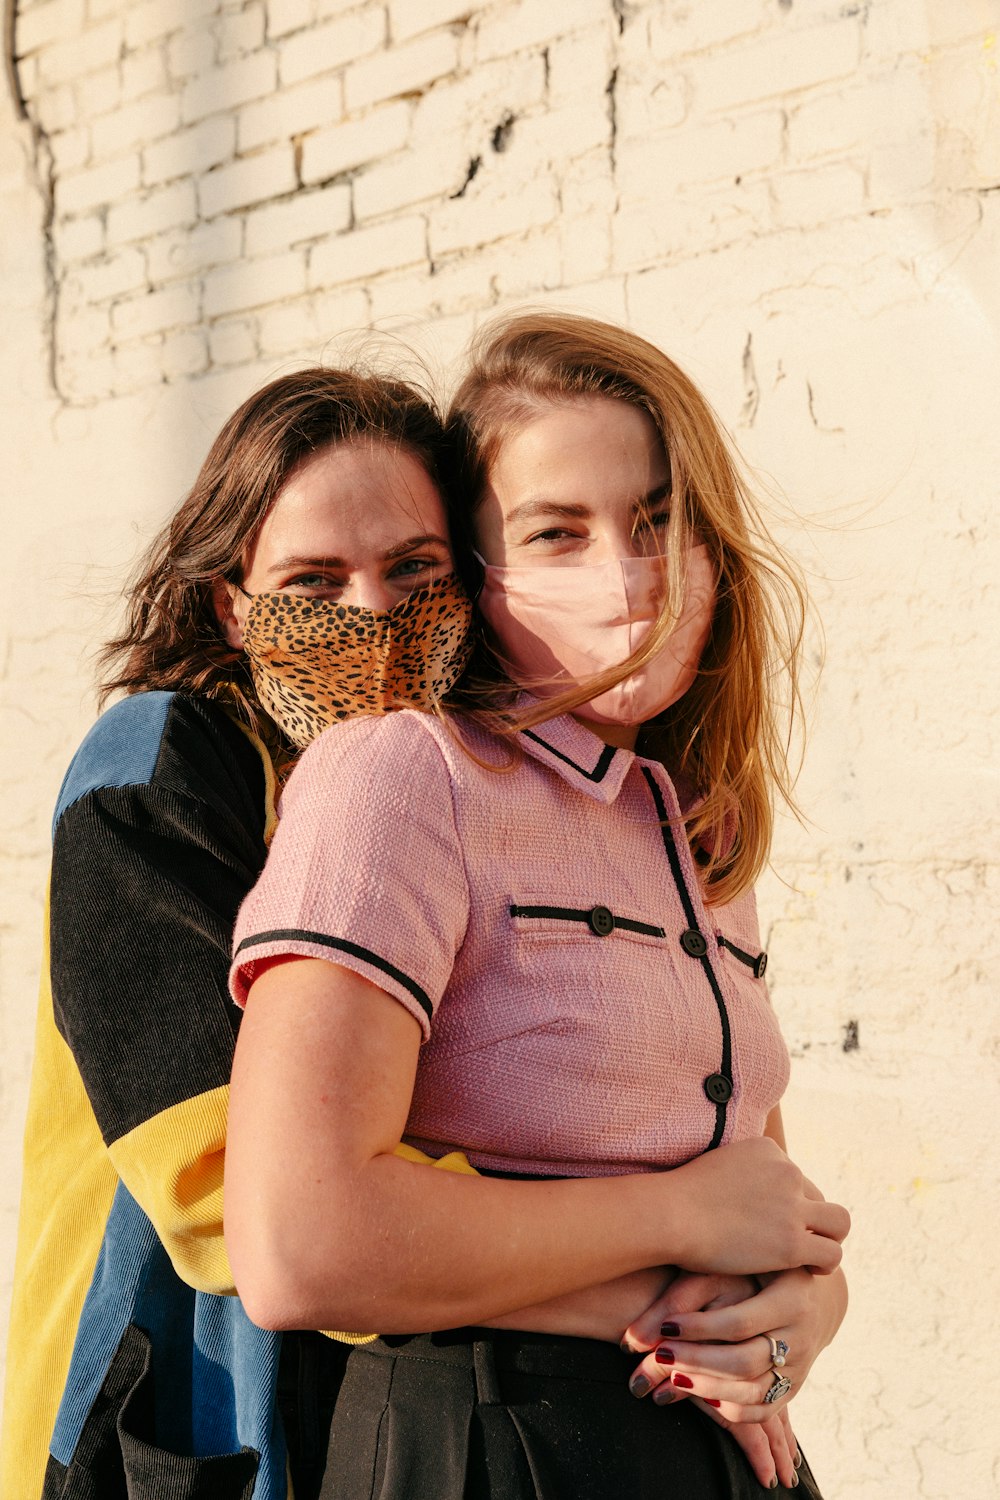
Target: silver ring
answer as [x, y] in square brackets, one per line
[780, 1386]
[779, 1349]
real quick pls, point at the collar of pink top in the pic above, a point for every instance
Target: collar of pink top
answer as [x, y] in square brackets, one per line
[577, 755]
[585, 762]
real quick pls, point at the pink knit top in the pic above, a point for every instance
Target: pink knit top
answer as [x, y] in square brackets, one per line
[583, 1012]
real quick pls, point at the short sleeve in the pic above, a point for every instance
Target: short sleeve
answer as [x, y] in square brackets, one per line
[365, 869]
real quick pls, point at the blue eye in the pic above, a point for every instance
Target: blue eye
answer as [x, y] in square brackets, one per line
[313, 586]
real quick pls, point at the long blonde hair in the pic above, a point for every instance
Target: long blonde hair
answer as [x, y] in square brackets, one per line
[727, 740]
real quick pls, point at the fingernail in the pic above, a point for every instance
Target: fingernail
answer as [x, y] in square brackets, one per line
[709, 1402]
[664, 1356]
[774, 1483]
[623, 1346]
[797, 1460]
[663, 1395]
[670, 1330]
[639, 1385]
[795, 1481]
[683, 1382]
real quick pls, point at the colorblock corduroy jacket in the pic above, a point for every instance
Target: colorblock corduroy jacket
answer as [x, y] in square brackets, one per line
[132, 1370]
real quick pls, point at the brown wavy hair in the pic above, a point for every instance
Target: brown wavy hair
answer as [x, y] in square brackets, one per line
[727, 740]
[171, 637]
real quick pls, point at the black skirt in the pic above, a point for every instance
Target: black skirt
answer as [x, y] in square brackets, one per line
[480, 1415]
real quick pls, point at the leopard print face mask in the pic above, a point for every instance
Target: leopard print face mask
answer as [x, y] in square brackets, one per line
[315, 662]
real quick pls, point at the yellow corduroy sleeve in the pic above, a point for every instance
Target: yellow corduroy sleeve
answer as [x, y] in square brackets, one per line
[173, 1167]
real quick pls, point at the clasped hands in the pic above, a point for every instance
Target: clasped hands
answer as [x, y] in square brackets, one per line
[705, 1339]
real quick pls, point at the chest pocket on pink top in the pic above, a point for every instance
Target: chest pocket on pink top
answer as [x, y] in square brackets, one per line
[600, 921]
[755, 962]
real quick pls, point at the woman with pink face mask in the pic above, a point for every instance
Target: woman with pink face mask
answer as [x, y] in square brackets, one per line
[526, 928]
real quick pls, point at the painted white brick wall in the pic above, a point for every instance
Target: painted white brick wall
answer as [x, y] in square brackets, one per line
[801, 201]
[744, 119]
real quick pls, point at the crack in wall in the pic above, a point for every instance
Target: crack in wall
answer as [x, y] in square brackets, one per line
[812, 412]
[475, 163]
[610, 91]
[751, 386]
[41, 169]
[500, 138]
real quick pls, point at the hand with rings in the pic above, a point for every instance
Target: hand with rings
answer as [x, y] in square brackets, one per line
[768, 1444]
[721, 1347]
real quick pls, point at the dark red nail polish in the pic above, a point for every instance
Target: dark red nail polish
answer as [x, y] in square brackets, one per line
[683, 1382]
[670, 1331]
[664, 1356]
[709, 1402]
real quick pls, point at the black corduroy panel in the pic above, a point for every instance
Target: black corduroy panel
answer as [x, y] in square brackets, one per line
[146, 882]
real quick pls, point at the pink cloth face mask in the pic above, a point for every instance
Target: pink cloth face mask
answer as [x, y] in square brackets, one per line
[558, 627]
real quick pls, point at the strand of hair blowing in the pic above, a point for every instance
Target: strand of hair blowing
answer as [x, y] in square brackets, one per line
[728, 739]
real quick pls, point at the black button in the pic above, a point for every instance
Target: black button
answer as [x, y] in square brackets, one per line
[718, 1087]
[601, 921]
[692, 942]
[759, 965]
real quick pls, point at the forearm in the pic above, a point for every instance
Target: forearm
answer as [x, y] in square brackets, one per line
[403, 1248]
[596, 1312]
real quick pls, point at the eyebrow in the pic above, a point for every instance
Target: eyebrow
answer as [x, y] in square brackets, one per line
[429, 539]
[540, 506]
[324, 561]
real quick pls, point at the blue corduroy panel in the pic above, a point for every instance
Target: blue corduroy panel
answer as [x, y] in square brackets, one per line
[235, 1376]
[214, 1372]
[120, 750]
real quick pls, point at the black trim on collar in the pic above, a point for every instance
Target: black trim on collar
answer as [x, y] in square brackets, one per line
[283, 934]
[597, 774]
[669, 844]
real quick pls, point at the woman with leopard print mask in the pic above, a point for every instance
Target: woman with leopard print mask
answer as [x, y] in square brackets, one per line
[307, 576]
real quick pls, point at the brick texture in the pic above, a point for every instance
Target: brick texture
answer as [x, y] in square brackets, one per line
[433, 159]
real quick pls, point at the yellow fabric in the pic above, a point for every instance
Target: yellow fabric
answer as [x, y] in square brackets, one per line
[67, 1178]
[172, 1165]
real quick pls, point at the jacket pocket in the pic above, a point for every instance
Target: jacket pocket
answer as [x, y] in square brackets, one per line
[554, 919]
[755, 962]
[116, 1459]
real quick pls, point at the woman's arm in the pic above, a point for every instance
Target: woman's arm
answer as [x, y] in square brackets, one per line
[595, 1312]
[326, 1228]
